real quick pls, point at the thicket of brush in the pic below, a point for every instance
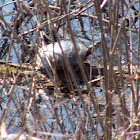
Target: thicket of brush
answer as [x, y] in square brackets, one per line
[28, 109]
